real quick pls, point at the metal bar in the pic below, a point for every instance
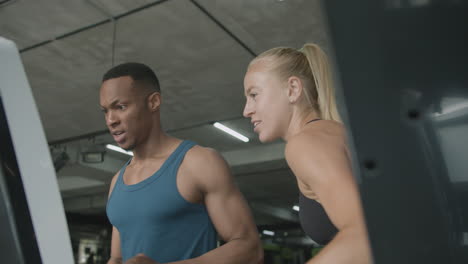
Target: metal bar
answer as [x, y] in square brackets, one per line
[217, 22]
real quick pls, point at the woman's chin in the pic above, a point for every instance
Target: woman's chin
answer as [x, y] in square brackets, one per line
[265, 138]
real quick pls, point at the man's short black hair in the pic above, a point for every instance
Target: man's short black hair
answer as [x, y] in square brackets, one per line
[139, 72]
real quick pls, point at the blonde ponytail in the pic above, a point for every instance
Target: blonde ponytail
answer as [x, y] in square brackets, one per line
[320, 68]
[311, 65]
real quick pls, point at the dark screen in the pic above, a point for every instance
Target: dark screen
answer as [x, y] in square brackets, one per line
[404, 76]
[17, 240]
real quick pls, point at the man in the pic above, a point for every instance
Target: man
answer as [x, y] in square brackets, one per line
[170, 200]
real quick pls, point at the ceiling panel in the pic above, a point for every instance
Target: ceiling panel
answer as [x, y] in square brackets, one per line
[200, 68]
[118, 7]
[264, 24]
[30, 22]
[65, 76]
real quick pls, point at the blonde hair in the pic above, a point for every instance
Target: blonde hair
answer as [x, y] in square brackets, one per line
[310, 64]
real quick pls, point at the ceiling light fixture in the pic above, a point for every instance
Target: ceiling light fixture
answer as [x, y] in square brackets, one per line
[230, 132]
[119, 149]
[93, 153]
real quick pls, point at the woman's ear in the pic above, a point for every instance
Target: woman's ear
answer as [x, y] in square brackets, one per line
[294, 89]
[154, 101]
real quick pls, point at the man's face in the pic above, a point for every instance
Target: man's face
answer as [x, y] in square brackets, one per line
[126, 111]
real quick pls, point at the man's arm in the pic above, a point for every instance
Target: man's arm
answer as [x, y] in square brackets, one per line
[228, 211]
[115, 256]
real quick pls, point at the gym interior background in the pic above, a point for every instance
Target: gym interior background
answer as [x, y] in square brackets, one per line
[200, 50]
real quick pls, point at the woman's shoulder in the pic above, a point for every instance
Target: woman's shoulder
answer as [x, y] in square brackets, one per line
[313, 150]
[325, 128]
[323, 136]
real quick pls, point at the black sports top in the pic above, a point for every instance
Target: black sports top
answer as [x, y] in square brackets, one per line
[314, 219]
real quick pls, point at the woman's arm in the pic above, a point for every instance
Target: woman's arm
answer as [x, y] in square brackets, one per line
[321, 164]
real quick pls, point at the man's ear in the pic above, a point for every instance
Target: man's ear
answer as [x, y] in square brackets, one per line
[295, 89]
[154, 101]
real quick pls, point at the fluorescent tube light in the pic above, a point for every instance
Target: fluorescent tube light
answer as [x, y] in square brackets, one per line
[231, 132]
[119, 149]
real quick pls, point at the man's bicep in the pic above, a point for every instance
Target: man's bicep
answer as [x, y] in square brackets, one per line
[226, 205]
[230, 214]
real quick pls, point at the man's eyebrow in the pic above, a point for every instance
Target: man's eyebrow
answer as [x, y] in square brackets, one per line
[112, 104]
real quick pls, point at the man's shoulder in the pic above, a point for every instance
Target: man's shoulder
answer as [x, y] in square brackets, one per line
[199, 156]
[207, 167]
[205, 164]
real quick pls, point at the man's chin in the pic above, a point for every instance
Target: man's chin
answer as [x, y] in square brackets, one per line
[126, 147]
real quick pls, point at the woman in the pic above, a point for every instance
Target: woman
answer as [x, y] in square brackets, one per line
[290, 96]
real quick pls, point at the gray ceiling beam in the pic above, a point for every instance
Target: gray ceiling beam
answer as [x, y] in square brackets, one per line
[82, 203]
[225, 29]
[235, 158]
[106, 131]
[257, 154]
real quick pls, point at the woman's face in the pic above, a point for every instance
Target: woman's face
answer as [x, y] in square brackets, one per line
[267, 103]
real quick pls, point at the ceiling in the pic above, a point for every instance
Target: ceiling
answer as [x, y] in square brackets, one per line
[199, 50]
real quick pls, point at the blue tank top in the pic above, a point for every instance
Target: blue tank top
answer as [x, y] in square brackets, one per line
[154, 219]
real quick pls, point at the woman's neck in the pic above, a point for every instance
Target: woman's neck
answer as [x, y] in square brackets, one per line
[298, 123]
